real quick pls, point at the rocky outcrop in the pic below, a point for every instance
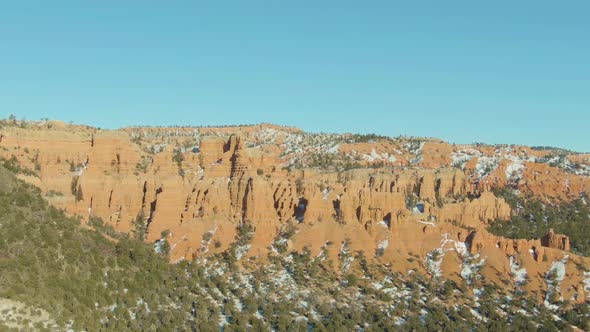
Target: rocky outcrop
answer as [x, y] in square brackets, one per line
[200, 184]
[557, 241]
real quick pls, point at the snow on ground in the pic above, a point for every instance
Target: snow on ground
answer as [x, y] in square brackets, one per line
[345, 257]
[258, 314]
[435, 257]
[22, 317]
[383, 245]
[398, 321]
[461, 248]
[334, 149]
[205, 243]
[457, 246]
[485, 166]
[267, 136]
[283, 280]
[298, 143]
[238, 304]
[470, 267]
[374, 156]
[519, 274]
[414, 147]
[222, 321]
[553, 278]
[477, 293]
[246, 281]
[460, 159]
[566, 165]
[515, 168]
[587, 282]
[476, 314]
[426, 223]
[242, 250]
[533, 253]
[382, 224]
[434, 262]
[159, 246]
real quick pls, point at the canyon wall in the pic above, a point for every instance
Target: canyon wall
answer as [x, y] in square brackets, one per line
[408, 199]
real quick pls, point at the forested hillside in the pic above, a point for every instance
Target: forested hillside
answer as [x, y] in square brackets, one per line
[533, 218]
[56, 275]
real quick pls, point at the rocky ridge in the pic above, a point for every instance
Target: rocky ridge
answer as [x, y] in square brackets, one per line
[411, 204]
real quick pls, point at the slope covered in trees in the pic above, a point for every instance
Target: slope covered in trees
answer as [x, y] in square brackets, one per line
[83, 279]
[88, 281]
[532, 219]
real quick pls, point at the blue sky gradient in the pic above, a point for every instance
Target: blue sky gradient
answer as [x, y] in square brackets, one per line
[464, 71]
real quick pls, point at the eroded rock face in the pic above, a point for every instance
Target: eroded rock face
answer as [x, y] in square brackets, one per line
[199, 184]
[557, 241]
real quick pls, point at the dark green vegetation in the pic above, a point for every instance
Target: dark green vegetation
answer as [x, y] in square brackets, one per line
[89, 281]
[330, 161]
[532, 219]
[48, 261]
[13, 165]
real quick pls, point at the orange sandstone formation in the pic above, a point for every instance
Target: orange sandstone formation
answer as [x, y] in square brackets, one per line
[199, 184]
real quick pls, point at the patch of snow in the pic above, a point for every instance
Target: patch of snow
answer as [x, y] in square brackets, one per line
[222, 321]
[159, 246]
[457, 246]
[414, 147]
[345, 257]
[461, 248]
[284, 280]
[258, 315]
[382, 224]
[470, 267]
[242, 250]
[334, 149]
[383, 245]
[238, 304]
[375, 156]
[477, 293]
[476, 314]
[587, 282]
[434, 262]
[378, 285]
[533, 253]
[553, 278]
[485, 166]
[435, 257]
[515, 169]
[565, 164]
[460, 159]
[426, 223]
[519, 274]
[398, 321]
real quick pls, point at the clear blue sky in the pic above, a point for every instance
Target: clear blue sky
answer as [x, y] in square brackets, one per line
[464, 71]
